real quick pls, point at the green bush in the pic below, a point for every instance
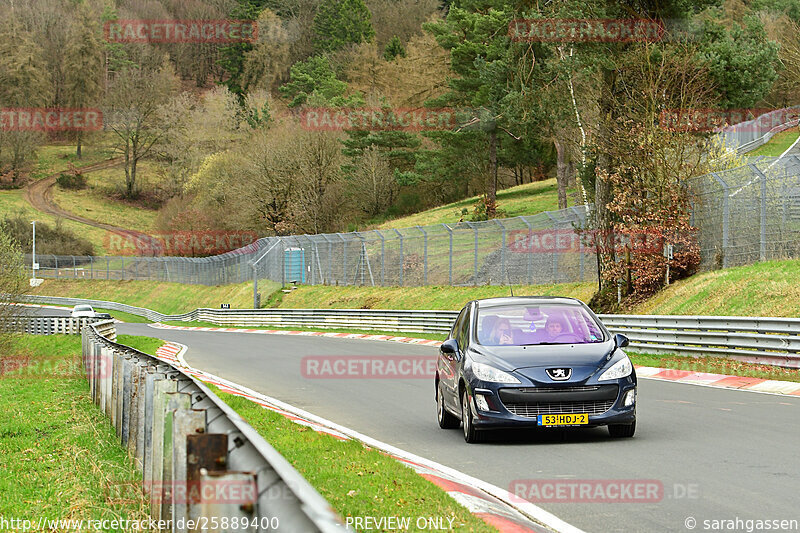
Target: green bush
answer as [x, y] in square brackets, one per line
[71, 180]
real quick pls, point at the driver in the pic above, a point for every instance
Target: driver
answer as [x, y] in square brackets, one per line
[554, 328]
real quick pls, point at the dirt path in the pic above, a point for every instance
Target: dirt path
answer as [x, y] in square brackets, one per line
[40, 195]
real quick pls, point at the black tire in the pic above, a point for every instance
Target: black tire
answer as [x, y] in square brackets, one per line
[471, 435]
[446, 420]
[622, 431]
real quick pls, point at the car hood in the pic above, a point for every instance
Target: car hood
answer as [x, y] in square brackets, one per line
[529, 357]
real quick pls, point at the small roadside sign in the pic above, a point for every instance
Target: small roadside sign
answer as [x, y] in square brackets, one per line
[36, 266]
[225, 306]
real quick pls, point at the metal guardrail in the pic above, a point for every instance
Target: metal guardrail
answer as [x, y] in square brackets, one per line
[220, 471]
[771, 340]
[56, 325]
[748, 135]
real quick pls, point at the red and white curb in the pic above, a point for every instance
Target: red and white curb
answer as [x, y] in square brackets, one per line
[494, 505]
[722, 381]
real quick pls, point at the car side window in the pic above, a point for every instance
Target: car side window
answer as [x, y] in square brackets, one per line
[457, 325]
[462, 334]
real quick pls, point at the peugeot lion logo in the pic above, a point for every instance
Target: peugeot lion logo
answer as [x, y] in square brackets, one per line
[559, 374]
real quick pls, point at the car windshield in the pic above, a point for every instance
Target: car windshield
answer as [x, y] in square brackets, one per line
[83, 308]
[523, 325]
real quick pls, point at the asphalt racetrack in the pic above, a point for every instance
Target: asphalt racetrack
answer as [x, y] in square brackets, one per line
[716, 454]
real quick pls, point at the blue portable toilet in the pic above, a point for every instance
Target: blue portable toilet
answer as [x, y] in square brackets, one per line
[294, 260]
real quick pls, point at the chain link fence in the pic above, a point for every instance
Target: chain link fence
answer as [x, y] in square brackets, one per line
[748, 135]
[748, 214]
[539, 249]
[743, 215]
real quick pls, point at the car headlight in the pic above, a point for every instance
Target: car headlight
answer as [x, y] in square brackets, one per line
[620, 369]
[489, 373]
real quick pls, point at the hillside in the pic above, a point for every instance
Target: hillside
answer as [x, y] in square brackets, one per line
[763, 289]
[527, 199]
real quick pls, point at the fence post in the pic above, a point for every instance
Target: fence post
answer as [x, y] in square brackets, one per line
[330, 258]
[450, 255]
[555, 247]
[726, 215]
[503, 268]
[383, 257]
[402, 265]
[762, 251]
[580, 242]
[475, 263]
[425, 254]
[528, 254]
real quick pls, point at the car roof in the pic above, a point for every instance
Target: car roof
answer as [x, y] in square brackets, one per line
[527, 300]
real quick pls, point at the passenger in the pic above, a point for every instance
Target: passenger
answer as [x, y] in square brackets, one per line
[502, 333]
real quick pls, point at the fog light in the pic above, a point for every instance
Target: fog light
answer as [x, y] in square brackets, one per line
[630, 398]
[480, 401]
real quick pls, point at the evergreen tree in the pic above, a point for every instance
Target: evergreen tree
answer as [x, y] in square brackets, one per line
[342, 22]
[84, 62]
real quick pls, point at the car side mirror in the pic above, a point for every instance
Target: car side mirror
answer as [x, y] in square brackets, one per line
[450, 347]
[621, 340]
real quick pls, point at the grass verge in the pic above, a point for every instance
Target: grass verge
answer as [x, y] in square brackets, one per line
[357, 481]
[147, 345]
[59, 455]
[769, 288]
[432, 297]
[527, 199]
[167, 298]
[778, 144]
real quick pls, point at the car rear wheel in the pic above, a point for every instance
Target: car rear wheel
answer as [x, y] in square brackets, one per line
[621, 431]
[470, 433]
[446, 420]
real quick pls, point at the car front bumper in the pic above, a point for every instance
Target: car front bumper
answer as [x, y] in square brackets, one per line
[500, 416]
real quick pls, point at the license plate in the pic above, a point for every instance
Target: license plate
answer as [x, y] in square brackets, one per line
[575, 419]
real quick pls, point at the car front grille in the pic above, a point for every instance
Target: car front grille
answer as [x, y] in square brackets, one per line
[533, 409]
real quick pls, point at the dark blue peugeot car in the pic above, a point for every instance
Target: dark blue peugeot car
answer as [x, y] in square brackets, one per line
[533, 361]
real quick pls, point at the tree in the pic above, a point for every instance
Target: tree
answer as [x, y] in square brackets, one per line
[268, 61]
[83, 84]
[314, 82]
[12, 282]
[135, 98]
[24, 82]
[319, 202]
[393, 49]
[372, 184]
[342, 22]
[742, 62]
[476, 34]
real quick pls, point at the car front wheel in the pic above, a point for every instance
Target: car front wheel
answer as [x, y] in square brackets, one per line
[446, 420]
[470, 433]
